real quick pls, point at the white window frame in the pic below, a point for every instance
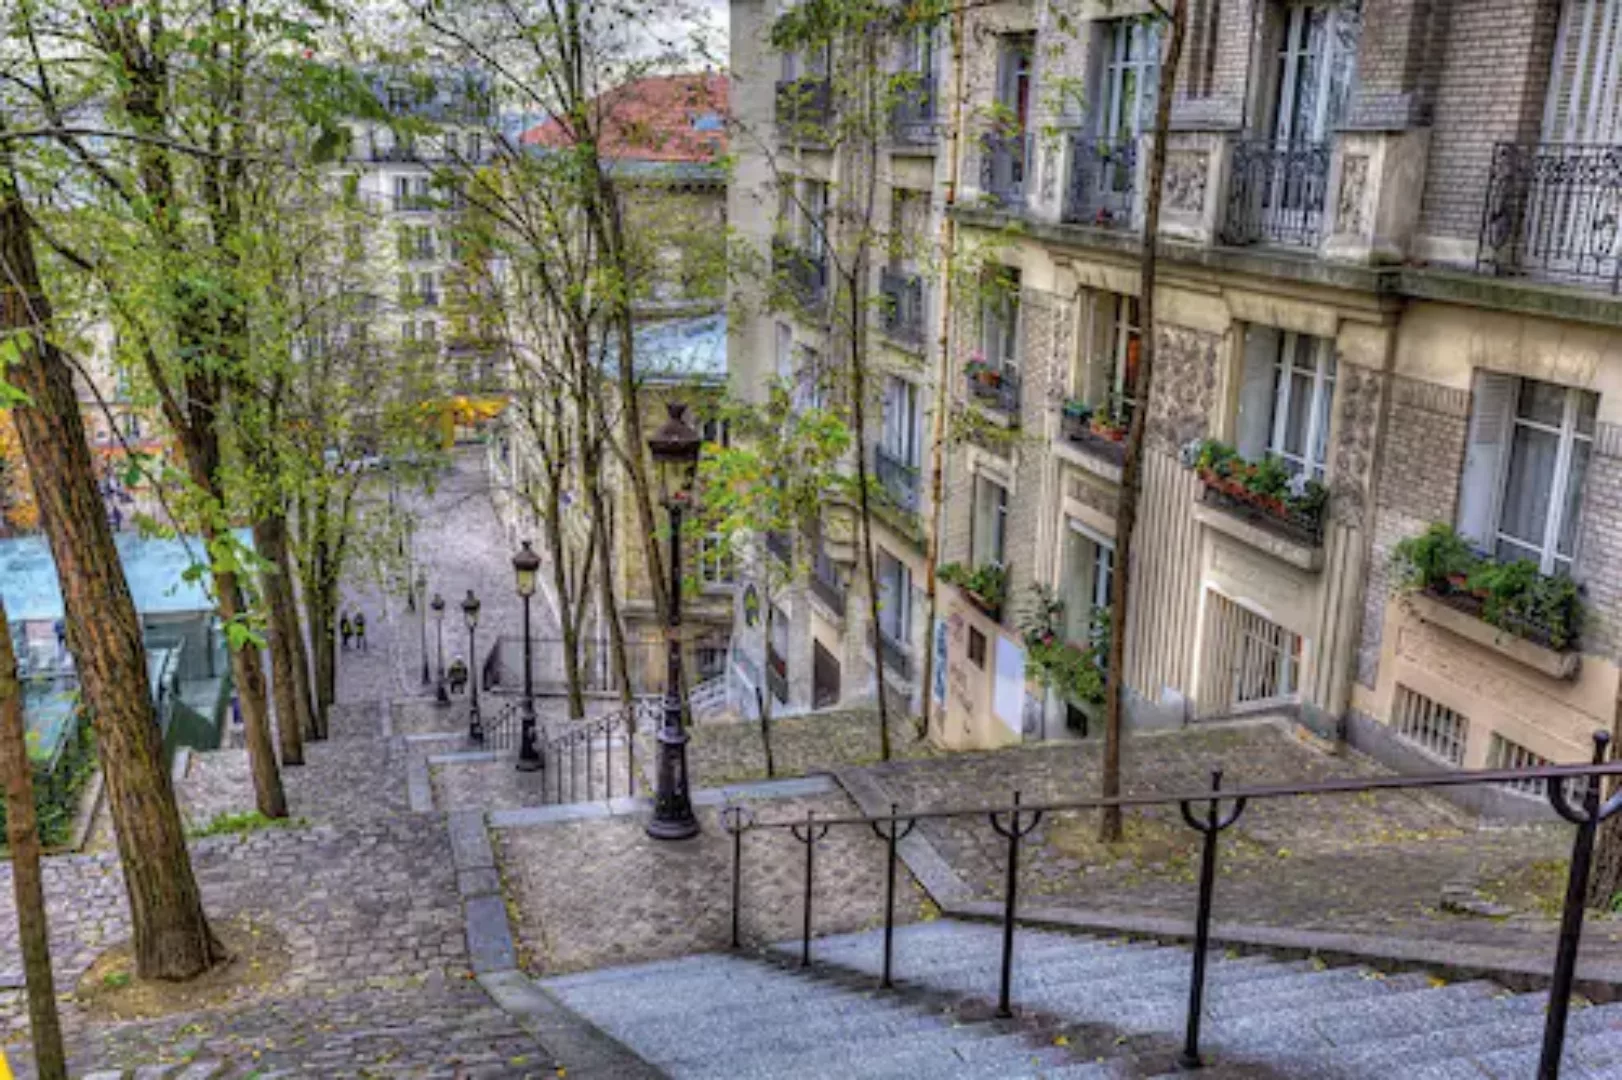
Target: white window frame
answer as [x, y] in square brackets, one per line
[999, 321]
[1123, 37]
[1320, 416]
[997, 524]
[896, 580]
[814, 219]
[900, 435]
[1295, 48]
[714, 561]
[1103, 565]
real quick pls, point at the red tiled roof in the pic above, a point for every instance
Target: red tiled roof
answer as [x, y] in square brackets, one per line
[675, 118]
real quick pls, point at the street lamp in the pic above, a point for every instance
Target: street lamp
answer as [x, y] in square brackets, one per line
[675, 448]
[440, 693]
[470, 615]
[525, 564]
[422, 619]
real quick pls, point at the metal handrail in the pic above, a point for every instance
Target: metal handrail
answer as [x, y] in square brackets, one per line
[563, 752]
[1203, 812]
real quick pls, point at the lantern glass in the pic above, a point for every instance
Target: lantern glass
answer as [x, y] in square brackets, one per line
[525, 565]
[470, 610]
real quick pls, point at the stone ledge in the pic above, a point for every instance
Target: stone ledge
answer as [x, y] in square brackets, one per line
[1310, 559]
[933, 872]
[1545, 661]
[1516, 969]
[577, 1047]
[1067, 451]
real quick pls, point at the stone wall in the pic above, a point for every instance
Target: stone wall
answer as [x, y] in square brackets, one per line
[1394, 73]
[1417, 483]
[1599, 544]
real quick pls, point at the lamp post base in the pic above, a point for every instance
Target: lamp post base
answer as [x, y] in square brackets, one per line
[533, 764]
[672, 807]
[673, 828]
[441, 695]
[475, 727]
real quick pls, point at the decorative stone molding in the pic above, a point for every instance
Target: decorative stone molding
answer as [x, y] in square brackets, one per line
[1187, 172]
[1430, 397]
[1545, 661]
[1301, 556]
[1185, 382]
[1351, 213]
[1355, 432]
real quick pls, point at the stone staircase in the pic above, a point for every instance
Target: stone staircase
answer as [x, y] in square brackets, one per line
[1086, 1007]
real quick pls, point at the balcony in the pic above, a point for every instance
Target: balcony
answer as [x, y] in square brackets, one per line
[777, 674]
[1554, 212]
[804, 106]
[826, 586]
[994, 388]
[902, 316]
[1103, 181]
[899, 479]
[781, 545]
[1276, 193]
[896, 655]
[1004, 161]
[804, 275]
[912, 117]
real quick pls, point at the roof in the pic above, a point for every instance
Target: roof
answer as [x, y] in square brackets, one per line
[661, 118]
[684, 350]
[154, 567]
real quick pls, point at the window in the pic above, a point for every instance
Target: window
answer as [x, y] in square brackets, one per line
[814, 223]
[1246, 658]
[811, 379]
[427, 290]
[1429, 725]
[1313, 71]
[1111, 357]
[1203, 35]
[475, 146]
[895, 599]
[407, 294]
[1528, 452]
[1014, 80]
[1503, 753]
[402, 193]
[989, 539]
[717, 431]
[714, 560]
[900, 437]
[1086, 577]
[918, 50]
[977, 648]
[999, 321]
[1285, 395]
[785, 351]
[1131, 79]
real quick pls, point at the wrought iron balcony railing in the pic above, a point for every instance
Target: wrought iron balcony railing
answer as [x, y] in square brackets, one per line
[804, 274]
[903, 313]
[1103, 181]
[1276, 193]
[1004, 162]
[1554, 211]
[777, 674]
[995, 388]
[826, 586]
[912, 118]
[898, 478]
[804, 105]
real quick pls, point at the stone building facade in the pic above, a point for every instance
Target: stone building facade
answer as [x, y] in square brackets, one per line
[1390, 267]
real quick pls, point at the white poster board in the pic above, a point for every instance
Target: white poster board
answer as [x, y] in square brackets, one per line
[1008, 697]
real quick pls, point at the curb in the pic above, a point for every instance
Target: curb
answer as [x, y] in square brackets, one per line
[933, 872]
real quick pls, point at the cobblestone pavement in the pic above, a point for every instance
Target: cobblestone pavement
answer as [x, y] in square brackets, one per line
[720, 754]
[1375, 863]
[594, 893]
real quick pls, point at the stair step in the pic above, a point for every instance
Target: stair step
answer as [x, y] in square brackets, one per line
[965, 1055]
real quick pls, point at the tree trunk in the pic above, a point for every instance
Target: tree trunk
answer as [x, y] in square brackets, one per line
[592, 478]
[248, 669]
[566, 606]
[28, 888]
[172, 939]
[270, 535]
[1126, 514]
[304, 700]
[943, 372]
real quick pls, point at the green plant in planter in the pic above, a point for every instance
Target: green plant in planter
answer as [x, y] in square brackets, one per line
[1435, 559]
[1074, 672]
[1077, 409]
[988, 582]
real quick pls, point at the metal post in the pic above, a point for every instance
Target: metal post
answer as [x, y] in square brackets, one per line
[672, 805]
[813, 833]
[608, 760]
[475, 724]
[1014, 832]
[735, 819]
[528, 759]
[1587, 820]
[1209, 829]
[890, 835]
[422, 624]
[441, 692]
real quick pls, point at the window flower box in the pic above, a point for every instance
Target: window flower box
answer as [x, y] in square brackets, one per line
[1099, 431]
[985, 586]
[1263, 493]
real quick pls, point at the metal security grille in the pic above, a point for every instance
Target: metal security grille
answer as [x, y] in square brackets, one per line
[1430, 726]
[1502, 753]
[1247, 659]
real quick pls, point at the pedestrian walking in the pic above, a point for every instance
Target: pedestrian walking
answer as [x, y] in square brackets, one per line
[458, 675]
[346, 629]
[360, 631]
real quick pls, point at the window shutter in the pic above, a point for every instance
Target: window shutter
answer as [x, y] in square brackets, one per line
[1492, 399]
[1255, 420]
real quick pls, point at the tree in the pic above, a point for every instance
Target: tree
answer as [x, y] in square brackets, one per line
[172, 939]
[28, 888]
[18, 511]
[1126, 512]
[774, 478]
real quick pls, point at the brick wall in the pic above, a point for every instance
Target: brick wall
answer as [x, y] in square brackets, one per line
[1599, 544]
[1417, 483]
[1397, 38]
[1491, 86]
[1224, 106]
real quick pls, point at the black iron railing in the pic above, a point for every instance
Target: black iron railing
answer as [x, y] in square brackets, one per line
[777, 674]
[1004, 162]
[825, 584]
[912, 117]
[804, 275]
[898, 478]
[804, 106]
[997, 388]
[1276, 193]
[902, 314]
[597, 668]
[1203, 811]
[568, 758]
[1554, 210]
[1103, 181]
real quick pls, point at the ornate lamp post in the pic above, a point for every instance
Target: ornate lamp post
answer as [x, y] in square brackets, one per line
[422, 619]
[675, 448]
[525, 564]
[441, 695]
[470, 615]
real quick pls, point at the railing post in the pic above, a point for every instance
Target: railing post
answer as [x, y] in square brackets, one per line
[1587, 819]
[1209, 828]
[891, 835]
[809, 838]
[735, 819]
[589, 788]
[608, 761]
[1014, 833]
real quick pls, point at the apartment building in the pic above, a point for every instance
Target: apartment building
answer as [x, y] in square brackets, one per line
[809, 188]
[1388, 300]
